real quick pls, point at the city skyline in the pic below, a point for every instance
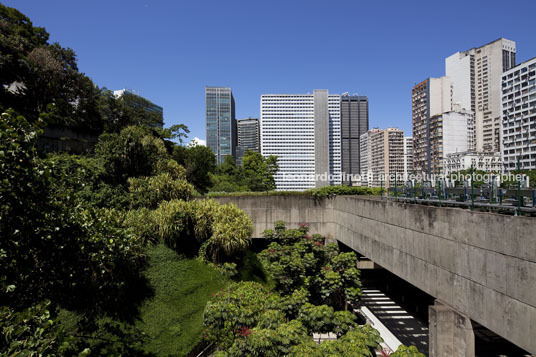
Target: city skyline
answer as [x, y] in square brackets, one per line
[280, 59]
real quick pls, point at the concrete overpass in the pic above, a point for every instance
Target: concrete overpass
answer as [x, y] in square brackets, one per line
[479, 266]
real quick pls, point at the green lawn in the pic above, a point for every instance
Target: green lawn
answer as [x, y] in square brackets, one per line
[173, 317]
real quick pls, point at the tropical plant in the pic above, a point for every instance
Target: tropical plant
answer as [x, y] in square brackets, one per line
[231, 232]
[32, 332]
[150, 191]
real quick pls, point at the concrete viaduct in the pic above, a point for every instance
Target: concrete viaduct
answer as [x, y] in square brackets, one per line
[479, 266]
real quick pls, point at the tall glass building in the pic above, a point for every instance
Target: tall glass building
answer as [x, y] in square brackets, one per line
[221, 122]
[354, 123]
[155, 113]
[248, 137]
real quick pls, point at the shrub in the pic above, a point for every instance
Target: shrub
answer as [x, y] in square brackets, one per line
[150, 191]
[231, 312]
[328, 191]
[404, 351]
[296, 260]
[174, 223]
[31, 332]
[134, 152]
[231, 232]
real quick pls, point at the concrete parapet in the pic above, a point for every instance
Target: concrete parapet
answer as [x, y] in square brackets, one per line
[481, 264]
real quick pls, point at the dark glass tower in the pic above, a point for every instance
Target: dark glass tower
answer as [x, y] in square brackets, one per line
[221, 122]
[248, 137]
[354, 122]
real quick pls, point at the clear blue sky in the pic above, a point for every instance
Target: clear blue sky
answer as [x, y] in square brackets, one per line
[170, 50]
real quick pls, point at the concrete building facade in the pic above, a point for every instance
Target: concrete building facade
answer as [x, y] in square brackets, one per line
[354, 123]
[439, 126]
[248, 137]
[476, 77]
[220, 122]
[382, 156]
[519, 116]
[304, 132]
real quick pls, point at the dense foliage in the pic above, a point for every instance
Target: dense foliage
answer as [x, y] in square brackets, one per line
[312, 282]
[329, 191]
[249, 320]
[255, 175]
[67, 238]
[321, 192]
[297, 260]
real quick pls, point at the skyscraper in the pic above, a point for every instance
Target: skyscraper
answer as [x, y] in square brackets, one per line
[439, 127]
[354, 123]
[221, 122]
[303, 131]
[476, 77]
[248, 132]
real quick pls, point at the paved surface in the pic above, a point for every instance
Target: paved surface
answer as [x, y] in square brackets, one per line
[408, 329]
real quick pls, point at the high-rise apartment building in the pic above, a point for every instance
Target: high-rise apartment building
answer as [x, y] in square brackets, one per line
[248, 133]
[382, 156]
[408, 156]
[154, 113]
[476, 76]
[365, 159]
[519, 116]
[221, 122]
[439, 126]
[304, 132]
[354, 123]
[387, 156]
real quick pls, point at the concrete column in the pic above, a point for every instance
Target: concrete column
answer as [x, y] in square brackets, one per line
[451, 333]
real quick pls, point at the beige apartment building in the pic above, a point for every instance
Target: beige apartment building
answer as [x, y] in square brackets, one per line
[382, 156]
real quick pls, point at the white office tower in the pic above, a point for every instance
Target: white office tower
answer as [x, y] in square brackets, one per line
[476, 76]
[304, 132]
[519, 116]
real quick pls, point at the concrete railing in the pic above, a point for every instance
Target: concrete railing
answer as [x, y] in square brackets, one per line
[481, 264]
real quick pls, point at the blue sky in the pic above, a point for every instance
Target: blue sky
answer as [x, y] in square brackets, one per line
[170, 50]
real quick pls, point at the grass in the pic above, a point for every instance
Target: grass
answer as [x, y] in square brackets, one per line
[173, 317]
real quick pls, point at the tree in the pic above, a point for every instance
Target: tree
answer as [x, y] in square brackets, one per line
[50, 248]
[259, 171]
[18, 37]
[228, 177]
[296, 260]
[133, 152]
[200, 163]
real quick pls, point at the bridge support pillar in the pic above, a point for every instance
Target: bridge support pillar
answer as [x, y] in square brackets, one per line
[450, 332]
